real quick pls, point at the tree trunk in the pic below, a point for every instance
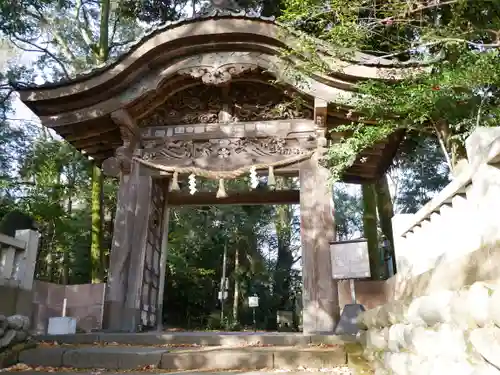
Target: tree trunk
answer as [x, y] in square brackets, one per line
[97, 211]
[66, 258]
[97, 251]
[385, 213]
[370, 230]
[284, 261]
[104, 31]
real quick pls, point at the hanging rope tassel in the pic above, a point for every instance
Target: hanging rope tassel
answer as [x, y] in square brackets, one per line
[271, 180]
[174, 185]
[192, 184]
[221, 193]
[254, 179]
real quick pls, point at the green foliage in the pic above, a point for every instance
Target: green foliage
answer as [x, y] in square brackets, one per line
[348, 212]
[419, 172]
[51, 181]
[452, 48]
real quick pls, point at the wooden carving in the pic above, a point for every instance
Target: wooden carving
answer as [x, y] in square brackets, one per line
[226, 154]
[219, 68]
[249, 101]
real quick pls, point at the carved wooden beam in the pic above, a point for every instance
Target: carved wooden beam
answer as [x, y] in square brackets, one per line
[74, 137]
[131, 137]
[130, 132]
[302, 128]
[100, 146]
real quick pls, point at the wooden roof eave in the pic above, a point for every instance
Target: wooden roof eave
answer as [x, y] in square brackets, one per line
[204, 28]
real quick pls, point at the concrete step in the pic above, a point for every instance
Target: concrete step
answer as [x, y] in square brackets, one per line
[195, 338]
[211, 358]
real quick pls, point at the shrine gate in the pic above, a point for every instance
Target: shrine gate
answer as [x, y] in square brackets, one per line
[199, 98]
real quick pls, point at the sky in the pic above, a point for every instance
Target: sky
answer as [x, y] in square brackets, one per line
[22, 112]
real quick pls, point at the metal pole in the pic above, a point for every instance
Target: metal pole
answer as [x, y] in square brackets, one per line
[353, 291]
[223, 283]
[254, 321]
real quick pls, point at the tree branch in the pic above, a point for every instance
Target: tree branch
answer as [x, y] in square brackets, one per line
[40, 49]
[44, 22]
[442, 41]
[85, 32]
[120, 44]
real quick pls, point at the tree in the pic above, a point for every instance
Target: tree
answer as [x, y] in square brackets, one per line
[348, 212]
[418, 173]
[160, 11]
[69, 37]
[456, 41]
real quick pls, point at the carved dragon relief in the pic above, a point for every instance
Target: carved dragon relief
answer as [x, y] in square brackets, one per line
[225, 154]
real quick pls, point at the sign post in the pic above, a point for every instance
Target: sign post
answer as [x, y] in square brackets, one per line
[253, 302]
[350, 261]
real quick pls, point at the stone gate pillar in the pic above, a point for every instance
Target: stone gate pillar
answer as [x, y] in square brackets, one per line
[320, 292]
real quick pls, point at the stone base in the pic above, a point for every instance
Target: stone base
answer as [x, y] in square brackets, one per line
[117, 318]
[347, 323]
[132, 357]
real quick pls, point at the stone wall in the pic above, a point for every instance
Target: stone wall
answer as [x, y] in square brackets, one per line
[443, 309]
[85, 302]
[14, 337]
[455, 332]
[15, 300]
[461, 219]
[369, 293]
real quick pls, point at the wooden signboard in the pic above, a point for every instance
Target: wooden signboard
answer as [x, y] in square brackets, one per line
[350, 259]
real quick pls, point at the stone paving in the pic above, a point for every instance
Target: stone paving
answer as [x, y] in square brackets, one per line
[324, 371]
[226, 353]
[132, 357]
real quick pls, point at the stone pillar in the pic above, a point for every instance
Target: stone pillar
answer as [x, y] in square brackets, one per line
[319, 290]
[28, 262]
[483, 153]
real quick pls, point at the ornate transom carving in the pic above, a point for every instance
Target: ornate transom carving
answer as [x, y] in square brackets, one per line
[224, 148]
[218, 68]
[225, 154]
[245, 101]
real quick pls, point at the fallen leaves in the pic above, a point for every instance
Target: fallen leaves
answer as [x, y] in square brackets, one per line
[114, 343]
[324, 345]
[21, 367]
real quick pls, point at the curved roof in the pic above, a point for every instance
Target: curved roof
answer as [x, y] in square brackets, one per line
[79, 109]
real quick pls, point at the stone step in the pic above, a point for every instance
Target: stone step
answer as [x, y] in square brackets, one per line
[340, 370]
[210, 358]
[196, 338]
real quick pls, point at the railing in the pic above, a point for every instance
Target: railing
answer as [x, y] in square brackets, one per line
[18, 257]
[461, 219]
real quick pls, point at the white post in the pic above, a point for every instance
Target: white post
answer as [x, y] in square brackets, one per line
[65, 302]
[353, 291]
